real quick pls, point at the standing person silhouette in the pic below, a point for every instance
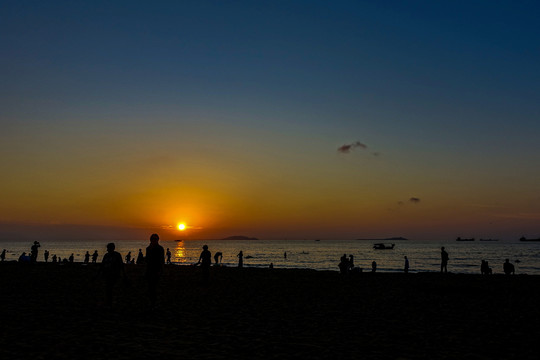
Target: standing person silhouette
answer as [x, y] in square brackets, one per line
[140, 258]
[240, 259]
[3, 255]
[87, 257]
[94, 257]
[205, 260]
[155, 259]
[168, 256]
[34, 251]
[444, 260]
[406, 268]
[46, 255]
[112, 266]
[128, 257]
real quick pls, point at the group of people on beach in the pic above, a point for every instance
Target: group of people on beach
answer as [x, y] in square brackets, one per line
[346, 264]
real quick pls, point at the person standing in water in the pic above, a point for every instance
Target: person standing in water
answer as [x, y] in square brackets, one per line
[240, 259]
[444, 260]
[168, 256]
[406, 268]
[46, 255]
[155, 259]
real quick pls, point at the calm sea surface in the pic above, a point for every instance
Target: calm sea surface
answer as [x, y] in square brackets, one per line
[465, 257]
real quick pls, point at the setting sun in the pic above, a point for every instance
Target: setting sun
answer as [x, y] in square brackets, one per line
[181, 227]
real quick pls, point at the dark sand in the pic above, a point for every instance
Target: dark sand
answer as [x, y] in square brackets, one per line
[50, 311]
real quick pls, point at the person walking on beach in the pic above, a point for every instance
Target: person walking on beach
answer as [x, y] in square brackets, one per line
[240, 259]
[155, 259]
[94, 257]
[508, 268]
[168, 256]
[3, 255]
[205, 260]
[87, 257]
[71, 258]
[46, 255]
[34, 251]
[406, 268]
[112, 266]
[373, 266]
[444, 260]
[128, 257]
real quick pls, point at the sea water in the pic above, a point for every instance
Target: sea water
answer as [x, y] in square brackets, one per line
[465, 257]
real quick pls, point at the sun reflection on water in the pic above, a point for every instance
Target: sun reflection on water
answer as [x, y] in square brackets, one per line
[179, 251]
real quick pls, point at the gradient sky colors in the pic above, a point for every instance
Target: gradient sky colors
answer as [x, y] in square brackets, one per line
[119, 119]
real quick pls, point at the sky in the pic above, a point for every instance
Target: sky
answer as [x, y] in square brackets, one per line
[271, 119]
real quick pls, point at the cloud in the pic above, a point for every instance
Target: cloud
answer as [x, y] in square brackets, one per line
[414, 200]
[347, 148]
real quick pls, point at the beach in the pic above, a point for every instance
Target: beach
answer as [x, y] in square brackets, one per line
[58, 311]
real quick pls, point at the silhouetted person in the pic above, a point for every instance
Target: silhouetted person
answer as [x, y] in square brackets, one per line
[485, 269]
[112, 266]
[344, 265]
[351, 262]
[205, 260]
[240, 259]
[155, 259]
[54, 259]
[444, 260]
[71, 258]
[218, 257]
[34, 251]
[46, 255]
[24, 259]
[94, 257]
[406, 268]
[373, 266]
[87, 257]
[3, 255]
[271, 266]
[128, 257]
[140, 257]
[168, 256]
[508, 268]
[285, 255]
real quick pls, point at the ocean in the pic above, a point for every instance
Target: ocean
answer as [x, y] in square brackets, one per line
[465, 257]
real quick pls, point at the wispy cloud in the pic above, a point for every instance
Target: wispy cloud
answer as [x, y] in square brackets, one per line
[347, 148]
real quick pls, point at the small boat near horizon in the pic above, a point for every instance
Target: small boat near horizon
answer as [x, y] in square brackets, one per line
[464, 239]
[382, 246]
[523, 238]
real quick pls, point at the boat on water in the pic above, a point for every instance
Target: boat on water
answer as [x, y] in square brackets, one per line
[382, 246]
[523, 238]
[489, 239]
[464, 239]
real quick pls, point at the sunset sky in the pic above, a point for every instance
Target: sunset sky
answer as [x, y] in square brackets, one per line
[273, 119]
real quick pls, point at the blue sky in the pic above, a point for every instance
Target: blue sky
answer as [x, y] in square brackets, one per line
[445, 92]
